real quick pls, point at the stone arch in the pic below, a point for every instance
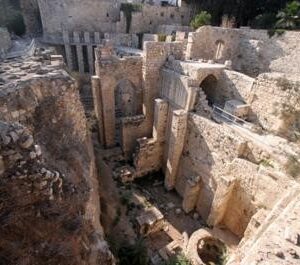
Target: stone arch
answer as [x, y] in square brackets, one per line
[209, 87]
[126, 99]
[220, 49]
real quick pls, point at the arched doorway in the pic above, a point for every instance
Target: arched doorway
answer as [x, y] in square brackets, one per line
[126, 103]
[209, 87]
[125, 99]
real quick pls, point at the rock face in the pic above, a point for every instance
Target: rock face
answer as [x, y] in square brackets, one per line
[48, 186]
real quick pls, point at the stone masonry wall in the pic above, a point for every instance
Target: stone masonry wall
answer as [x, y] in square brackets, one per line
[151, 17]
[31, 15]
[251, 51]
[278, 113]
[208, 147]
[5, 41]
[94, 16]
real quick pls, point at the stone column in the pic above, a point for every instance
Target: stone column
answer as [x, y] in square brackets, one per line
[175, 147]
[221, 199]
[87, 40]
[108, 112]
[96, 89]
[97, 37]
[191, 194]
[160, 119]
[68, 50]
[79, 52]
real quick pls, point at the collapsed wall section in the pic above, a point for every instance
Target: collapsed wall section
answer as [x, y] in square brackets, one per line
[251, 51]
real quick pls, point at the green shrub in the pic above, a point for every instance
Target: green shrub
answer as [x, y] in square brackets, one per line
[135, 254]
[179, 260]
[162, 37]
[264, 21]
[289, 17]
[202, 19]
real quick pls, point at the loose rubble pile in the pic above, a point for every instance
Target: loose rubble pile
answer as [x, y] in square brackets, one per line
[21, 160]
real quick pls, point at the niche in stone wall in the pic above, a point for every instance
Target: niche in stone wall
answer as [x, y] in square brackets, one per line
[220, 49]
[126, 99]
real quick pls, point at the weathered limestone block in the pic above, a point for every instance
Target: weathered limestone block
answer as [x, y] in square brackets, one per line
[79, 51]
[160, 119]
[221, 199]
[97, 98]
[108, 106]
[175, 147]
[191, 194]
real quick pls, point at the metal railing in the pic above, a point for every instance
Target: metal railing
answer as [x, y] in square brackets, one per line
[231, 118]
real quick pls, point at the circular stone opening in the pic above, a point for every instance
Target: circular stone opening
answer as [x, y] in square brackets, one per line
[212, 251]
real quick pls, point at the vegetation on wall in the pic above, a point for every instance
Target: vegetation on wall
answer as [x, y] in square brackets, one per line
[202, 19]
[263, 14]
[11, 17]
[289, 17]
[128, 9]
[179, 260]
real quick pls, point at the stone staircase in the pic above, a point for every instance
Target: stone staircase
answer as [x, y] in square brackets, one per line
[202, 104]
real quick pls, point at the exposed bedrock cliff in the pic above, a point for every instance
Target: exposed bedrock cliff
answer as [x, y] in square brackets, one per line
[49, 201]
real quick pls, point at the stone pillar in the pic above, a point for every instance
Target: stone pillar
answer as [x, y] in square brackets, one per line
[222, 196]
[192, 95]
[160, 119]
[69, 57]
[87, 40]
[97, 97]
[79, 52]
[175, 147]
[97, 37]
[191, 194]
[108, 112]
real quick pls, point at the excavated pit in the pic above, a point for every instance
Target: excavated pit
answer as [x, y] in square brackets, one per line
[49, 198]
[212, 251]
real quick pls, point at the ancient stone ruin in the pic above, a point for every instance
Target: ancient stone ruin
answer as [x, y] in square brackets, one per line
[122, 127]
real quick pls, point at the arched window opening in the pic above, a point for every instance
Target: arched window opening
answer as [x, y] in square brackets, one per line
[220, 49]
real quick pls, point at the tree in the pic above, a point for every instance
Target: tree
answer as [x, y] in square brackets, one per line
[133, 254]
[289, 17]
[203, 18]
[179, 260]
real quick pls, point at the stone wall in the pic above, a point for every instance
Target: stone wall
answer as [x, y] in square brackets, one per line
[275, 239]
[177, 89]
[234, 85]
[259, 53]
[112, 71]
[251, 51]
[278, 113]
[171, 29]
[215, 153]
[104, 16]
[31, 15]
[94, 16]
[151, 17]
[5, 42]
[208, 148]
